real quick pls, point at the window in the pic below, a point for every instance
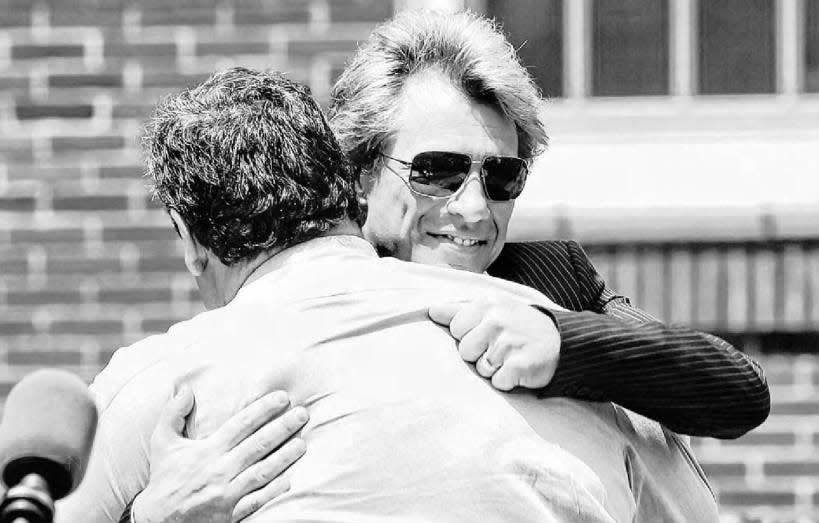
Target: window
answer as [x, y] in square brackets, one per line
[736, 47]
[812, 46]
[535, 28]
[629, 47]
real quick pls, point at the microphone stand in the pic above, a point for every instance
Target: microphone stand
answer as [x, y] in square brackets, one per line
[29, 501]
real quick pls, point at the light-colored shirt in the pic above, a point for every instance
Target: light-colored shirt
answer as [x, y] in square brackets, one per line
[400, 430]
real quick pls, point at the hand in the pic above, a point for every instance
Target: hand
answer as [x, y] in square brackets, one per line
[226, 476]
[511, 343]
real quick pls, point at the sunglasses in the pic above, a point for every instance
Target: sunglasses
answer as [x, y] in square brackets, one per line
[440, 174]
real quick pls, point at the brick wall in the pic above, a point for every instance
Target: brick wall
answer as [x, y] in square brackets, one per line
[88, 263]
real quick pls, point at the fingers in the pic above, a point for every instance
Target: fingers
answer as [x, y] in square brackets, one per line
[266, 439]
[173, 415]
[507, 377]
[487, 367]
[264, 481]
[255, 500]
[475, 343]
[461, 317]
[250, 419]
[444, 312]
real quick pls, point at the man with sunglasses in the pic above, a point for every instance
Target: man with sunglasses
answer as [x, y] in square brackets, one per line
[440, 165]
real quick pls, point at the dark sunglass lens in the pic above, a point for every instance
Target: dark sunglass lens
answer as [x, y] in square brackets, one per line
[504, 177]
[437, 173]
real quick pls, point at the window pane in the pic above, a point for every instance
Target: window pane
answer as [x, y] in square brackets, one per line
[630, 47]
[812, 46]
[535, 28]
[736, 46]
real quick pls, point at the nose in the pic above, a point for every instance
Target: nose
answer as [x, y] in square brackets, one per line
[470, 202]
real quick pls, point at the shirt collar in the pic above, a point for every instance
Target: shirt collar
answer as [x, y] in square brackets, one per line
[311, 250]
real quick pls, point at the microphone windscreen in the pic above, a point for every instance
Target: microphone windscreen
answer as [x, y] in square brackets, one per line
[48, 427]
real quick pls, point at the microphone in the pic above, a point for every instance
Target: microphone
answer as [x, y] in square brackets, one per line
[46, 436]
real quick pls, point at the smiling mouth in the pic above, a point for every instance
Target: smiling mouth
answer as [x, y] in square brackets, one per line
[458, 240]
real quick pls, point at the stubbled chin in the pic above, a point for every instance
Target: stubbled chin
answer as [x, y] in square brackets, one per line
[455, 256]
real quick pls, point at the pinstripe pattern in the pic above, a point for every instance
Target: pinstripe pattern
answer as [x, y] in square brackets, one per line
[692, 382]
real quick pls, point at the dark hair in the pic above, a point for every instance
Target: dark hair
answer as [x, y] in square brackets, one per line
[249, 163]
[467, 48]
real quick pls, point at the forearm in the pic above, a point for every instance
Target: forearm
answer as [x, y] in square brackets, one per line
[691, 382]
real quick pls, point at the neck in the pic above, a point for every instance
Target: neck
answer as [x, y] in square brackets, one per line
[240, 274]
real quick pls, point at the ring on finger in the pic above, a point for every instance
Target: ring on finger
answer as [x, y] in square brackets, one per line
[488, 363]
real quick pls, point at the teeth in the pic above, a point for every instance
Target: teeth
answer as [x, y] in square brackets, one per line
[465, 242]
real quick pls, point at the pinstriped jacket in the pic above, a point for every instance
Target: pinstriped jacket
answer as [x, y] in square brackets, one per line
[691, 382]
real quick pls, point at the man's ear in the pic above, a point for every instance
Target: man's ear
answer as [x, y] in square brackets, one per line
[363, 186]
[195, 257]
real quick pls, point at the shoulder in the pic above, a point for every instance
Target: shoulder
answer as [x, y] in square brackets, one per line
[131, 365]
[558, 269]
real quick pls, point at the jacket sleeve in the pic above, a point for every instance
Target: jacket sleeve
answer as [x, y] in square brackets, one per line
[691, 382]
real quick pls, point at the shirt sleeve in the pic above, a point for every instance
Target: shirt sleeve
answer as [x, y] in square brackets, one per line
[119, 464]
[691, 382]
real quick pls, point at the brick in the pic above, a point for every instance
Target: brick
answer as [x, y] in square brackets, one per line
[792, 468]
[9, 266]
[360, 10]
[46, 235]
[128, 296]
[46, 297]
[757, 438]
[232, 48]
[18, 204]
[43, 358]
[16, 149]
[161, 265]
[70, 81]
[90, 203]
[162, 5]
[132, 111]
[134, 50]
[130, 234]
[82, 266]
[86, 143]
[184, 16]
[45, 173]
[37, 52]
[713, 470]
[796, 408]
[155, 326]
[749, 498]
[16, 328]
[121, 171]
[91, 327]
[302, 48]
[15, 17]
[172, 79]
[34, 112]
[73, 15]
[12, 84]
[261, 12]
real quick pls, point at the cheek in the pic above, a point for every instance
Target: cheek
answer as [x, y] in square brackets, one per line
[429, 212]
[501, 214]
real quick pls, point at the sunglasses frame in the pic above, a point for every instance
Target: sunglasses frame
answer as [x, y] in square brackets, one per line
[481, 174]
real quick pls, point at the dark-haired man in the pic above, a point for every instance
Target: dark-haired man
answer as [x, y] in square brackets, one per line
[400, 429]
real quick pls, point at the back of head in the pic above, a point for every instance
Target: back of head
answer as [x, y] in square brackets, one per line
[249, 163]
[468, 49]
